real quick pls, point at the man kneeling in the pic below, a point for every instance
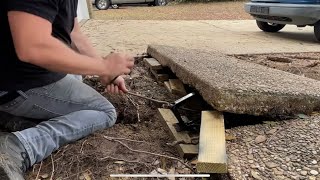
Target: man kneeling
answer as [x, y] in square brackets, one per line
[41, 47]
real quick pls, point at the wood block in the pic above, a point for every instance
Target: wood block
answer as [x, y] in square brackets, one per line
[167, 86]
[212, 145]
[188, 151]
[169, 120]
[152, 63]
[177, 87]
[160, 77]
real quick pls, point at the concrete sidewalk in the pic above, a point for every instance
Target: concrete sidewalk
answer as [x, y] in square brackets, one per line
[230, 37]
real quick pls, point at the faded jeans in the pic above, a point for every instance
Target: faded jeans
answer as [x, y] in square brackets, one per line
[71, 110]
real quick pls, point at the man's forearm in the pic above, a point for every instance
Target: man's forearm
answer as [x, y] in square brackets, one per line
[54, 55]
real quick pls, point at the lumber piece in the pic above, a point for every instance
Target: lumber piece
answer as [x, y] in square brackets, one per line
[177, 87]
[167, 86]
[152, 63]
[169, 120]
[212, 145]
[159, 77]
[188, 151]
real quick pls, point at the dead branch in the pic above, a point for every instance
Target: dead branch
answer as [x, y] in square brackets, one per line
[279, 59]
[151, 153]
[136, 106]
[150, 99]
[124, 160]
[37, 177]
[52, 172]
[174, 143]
[76, 174]
[124, 139]
[81, 149]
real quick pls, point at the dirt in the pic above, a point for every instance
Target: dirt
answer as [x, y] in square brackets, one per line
[97, 157]
[188, 11]
[303, 64]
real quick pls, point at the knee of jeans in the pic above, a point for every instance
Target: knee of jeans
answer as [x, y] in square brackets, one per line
[106, 107]
[112, 117]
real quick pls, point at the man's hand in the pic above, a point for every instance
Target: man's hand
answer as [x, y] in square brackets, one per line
[118, 86]
[117, 64]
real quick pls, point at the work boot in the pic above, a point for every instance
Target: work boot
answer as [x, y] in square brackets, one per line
[14, 159]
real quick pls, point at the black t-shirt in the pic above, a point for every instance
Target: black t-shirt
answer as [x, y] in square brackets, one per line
[15, 74]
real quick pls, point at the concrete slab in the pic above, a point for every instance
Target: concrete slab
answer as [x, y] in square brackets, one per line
[230, 37]
[236, 86]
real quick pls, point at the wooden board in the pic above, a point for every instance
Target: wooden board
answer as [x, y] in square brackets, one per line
[152, 63]
[212, 145]
[167, 86]
[160, 77]
[169, 120]
[188, 151]
[177, 87]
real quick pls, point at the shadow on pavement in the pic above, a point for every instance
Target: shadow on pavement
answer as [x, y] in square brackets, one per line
[302, 37]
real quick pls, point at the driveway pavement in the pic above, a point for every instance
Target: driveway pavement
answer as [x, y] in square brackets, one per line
[230, 37]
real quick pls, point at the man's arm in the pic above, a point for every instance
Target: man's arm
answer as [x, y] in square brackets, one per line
[34, 44]
[81, 43]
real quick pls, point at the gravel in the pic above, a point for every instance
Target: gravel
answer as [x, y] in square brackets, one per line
[190, 11]
[291, 152]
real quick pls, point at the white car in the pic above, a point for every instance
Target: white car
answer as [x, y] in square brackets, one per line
[105, 4]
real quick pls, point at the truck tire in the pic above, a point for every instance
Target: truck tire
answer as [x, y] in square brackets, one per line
[160, 2]
[102, 4]
[268, 27]
[316, 29]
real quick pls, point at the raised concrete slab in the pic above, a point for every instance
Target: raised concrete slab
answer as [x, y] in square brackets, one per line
[236, 86]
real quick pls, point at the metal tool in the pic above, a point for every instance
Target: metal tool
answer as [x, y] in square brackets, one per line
[183, 125]
[175, 106]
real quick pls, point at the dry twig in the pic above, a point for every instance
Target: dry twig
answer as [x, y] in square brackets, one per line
[119, 159]
[136, 106]
[52, 172]
[150, 99]
[81, 149]
[174, 143]
[37, 177]
[131, 140]
[151, 153]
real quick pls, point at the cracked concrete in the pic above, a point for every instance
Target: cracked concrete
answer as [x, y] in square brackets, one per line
[237, 86]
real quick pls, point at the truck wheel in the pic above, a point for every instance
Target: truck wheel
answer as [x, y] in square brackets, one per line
[160, 2]
[270, 27]
[317, 30]
[102, 4]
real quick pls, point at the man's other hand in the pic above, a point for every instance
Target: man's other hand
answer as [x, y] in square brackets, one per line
[117, 64]
[117, 87]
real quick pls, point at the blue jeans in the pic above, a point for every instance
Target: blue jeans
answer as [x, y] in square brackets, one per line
[71, 110]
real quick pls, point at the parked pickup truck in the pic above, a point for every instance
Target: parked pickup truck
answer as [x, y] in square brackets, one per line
[273, 15]
[105, 4]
